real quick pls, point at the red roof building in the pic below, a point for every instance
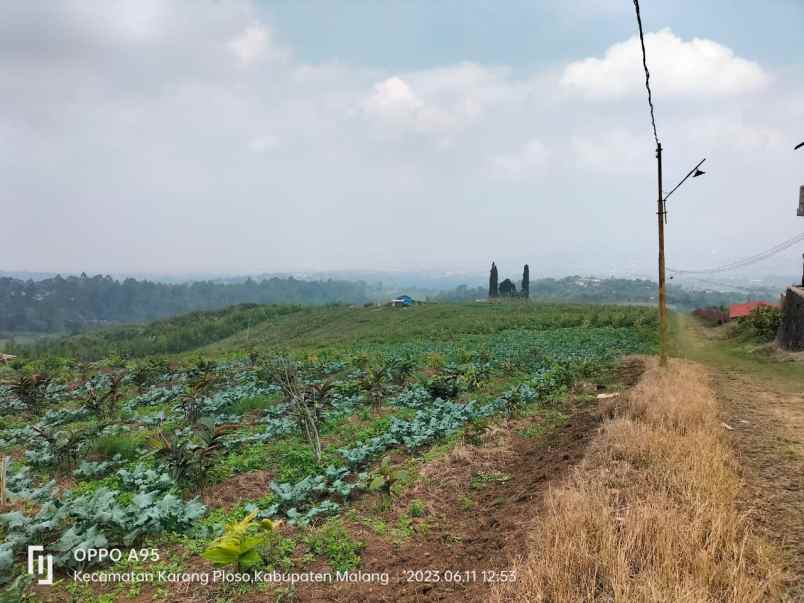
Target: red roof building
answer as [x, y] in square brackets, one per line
[742, 310]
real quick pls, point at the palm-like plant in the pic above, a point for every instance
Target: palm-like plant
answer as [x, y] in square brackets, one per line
[31, 391]
[375, 383]
[400, 369]
[102, 403]
[189, 457]
[319, 393]
[191, 399]
[66, 445]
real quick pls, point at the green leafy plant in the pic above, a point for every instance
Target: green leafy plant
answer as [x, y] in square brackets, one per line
[277, 550]
[416, 508]
[64, 446]
[240, 543]
[126, 445]
[442, 385]
[385, 477]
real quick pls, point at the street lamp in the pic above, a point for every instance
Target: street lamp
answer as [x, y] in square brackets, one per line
[662, 219]
[694, 173]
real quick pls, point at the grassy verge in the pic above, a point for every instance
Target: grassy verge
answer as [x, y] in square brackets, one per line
[716, 348]
[650, 514]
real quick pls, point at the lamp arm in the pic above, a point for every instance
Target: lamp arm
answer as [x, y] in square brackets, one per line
[683, 180]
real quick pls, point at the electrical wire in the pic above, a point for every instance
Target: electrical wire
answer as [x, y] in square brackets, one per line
[647, 73]
[753, 259]
[723, 285]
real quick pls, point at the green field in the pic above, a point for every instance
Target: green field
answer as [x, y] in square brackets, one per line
[327, 406]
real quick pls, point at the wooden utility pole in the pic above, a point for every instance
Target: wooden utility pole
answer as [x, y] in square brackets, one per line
[661, 214]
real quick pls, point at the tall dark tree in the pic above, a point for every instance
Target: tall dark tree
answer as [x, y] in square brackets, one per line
[526, 282]
[493, 289]
[507, 288]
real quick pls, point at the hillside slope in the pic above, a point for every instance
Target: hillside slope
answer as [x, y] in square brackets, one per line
[329, 420]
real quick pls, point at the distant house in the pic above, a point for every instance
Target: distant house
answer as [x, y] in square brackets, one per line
[6, 358]
[402, 300]
[743, 310]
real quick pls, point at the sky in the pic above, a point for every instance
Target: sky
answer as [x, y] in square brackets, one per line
[249, 137]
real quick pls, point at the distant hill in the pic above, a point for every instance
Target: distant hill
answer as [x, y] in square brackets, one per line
[618, 291]
[303, 329]
[74, 303]
[56, 304]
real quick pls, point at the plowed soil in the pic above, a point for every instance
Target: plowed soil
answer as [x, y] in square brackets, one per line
[472, 533]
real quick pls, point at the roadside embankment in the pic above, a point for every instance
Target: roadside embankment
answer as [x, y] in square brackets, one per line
[651, 512]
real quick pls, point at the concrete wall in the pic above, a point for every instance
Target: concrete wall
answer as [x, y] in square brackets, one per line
[791, 331]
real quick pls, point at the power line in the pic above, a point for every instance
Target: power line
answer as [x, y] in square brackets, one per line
[647, 73]
[753, 259]
[723, 285]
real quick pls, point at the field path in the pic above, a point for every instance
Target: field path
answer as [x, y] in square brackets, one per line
[762, 409]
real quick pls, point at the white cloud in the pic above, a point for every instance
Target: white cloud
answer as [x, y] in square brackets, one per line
[442, 99]
[351, 151]
[735, 133]
[615, 150]
[518, 165]
[263, 144]
[255, 43]
[698, 67]
[393, 97]
[394, 103]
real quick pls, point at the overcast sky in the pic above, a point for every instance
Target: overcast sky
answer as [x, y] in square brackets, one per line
[150, 136]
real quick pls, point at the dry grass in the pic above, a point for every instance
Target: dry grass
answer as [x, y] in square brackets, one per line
[650, 514]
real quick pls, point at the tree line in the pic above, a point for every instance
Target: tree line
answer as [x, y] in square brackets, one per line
[75, 303]
[588, 290]
[507, 288]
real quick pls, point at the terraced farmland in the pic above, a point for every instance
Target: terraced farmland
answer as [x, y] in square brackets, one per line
[265, 449]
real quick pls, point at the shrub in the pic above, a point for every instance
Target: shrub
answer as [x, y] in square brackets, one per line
[295, 462]
[416, 508]
[334, 542]
[762, 323]
[276, 551]
[246, 405]
[442, 385]
[125, 445]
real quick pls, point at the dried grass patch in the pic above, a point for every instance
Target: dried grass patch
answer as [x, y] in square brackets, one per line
[650, 514]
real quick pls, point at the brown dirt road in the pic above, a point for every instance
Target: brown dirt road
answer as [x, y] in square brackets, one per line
[762, 409]
[768, 434]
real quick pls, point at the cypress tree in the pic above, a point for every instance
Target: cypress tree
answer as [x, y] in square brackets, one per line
[526, 282]
[493, 291]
